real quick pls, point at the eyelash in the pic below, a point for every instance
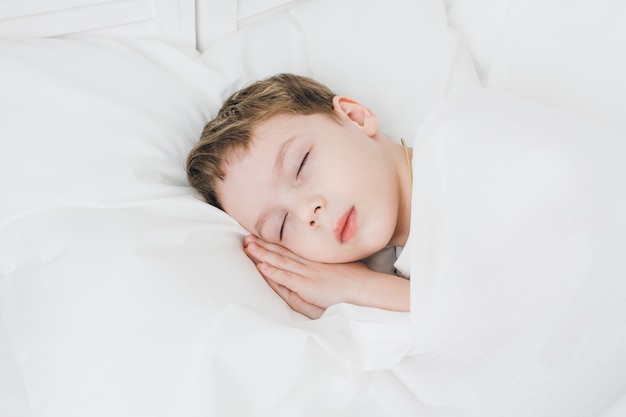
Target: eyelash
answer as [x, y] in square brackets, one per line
[282, 226]
[302, 164]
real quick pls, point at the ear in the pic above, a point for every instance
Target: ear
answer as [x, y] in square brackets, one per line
[357, 113]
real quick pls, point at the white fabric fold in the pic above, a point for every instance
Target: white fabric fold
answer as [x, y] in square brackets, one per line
[518, 270]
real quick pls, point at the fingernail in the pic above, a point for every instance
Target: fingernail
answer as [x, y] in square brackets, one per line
[251, 238]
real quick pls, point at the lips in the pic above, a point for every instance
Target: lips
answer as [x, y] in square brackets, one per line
[345, 228]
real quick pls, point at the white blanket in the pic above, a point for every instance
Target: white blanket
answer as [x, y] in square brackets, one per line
[518, 243]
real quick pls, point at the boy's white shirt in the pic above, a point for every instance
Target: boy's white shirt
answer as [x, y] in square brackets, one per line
[383, 260]
[393, 260]
[403, 261]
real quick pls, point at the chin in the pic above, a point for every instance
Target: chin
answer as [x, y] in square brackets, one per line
[335, 258]
[345, 253]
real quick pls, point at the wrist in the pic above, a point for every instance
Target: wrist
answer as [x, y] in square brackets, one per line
[384, 291]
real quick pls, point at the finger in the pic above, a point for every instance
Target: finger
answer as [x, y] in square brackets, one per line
[280, 276]
[249, 239]
[293, 281]
[294, 301]
[272, 247]
[255, 260]
[277, 260]
[281, 250]
[251, 254]
[299, 284]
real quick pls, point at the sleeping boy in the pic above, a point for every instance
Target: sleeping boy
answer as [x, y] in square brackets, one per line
[317, 185]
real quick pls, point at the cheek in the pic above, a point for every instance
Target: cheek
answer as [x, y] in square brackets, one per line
[307, 248]
[312, 249]
[242, 210]
[329, 253]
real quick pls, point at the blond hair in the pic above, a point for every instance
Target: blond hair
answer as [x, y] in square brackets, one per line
[234, 124]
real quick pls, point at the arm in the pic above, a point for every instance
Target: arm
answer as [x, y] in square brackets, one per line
[310, 287]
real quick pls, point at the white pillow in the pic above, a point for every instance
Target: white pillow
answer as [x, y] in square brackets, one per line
[557, 52]
[398, 58]
[481, 23]
[110, 268]
[565, 54]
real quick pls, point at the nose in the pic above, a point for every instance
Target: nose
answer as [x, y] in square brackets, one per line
[310, 212]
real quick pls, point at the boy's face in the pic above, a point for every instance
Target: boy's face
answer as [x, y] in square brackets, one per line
[324, 189]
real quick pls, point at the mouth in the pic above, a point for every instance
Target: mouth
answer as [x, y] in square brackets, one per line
[346, 226]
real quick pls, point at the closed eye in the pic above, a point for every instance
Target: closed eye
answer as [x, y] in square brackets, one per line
[282, 227]
[302, 164]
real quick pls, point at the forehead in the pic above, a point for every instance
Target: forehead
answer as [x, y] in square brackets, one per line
[260, 142]
[266, 138]
[255, 163]
[289, 122]
[275, 124]
[249, 172]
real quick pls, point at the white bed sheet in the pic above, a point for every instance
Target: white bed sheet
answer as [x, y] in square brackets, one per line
[13, 397]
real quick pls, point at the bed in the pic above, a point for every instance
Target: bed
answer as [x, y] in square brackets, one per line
[122, 293]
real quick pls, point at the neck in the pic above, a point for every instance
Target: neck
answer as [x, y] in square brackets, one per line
[403, 171]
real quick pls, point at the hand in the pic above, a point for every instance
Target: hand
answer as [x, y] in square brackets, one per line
[310, 287]
[307, 287]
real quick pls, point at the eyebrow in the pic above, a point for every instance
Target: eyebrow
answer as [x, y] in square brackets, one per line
[282, 151]
[278, 166]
